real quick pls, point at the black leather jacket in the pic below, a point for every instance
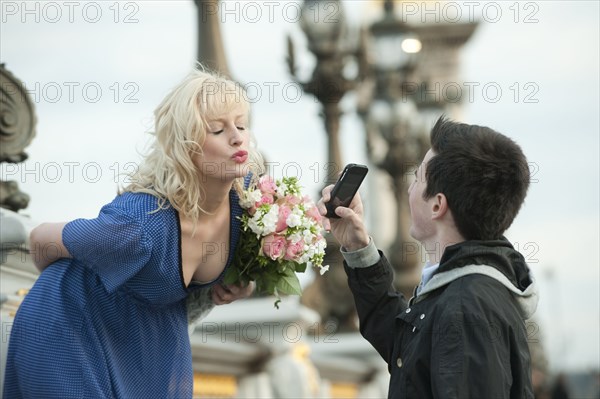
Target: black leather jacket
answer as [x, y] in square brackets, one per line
[464, 335]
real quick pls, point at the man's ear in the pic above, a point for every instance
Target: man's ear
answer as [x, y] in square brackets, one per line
[439, 206]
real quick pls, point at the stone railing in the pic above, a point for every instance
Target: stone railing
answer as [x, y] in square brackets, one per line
[259, 351]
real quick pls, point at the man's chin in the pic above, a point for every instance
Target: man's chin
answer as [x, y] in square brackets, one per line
[412, 234]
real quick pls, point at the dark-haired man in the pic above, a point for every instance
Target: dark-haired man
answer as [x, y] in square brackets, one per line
[463, 333]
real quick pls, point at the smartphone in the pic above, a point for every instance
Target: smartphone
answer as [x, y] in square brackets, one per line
[346, 187]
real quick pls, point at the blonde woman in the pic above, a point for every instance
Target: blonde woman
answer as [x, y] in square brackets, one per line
[109, 314]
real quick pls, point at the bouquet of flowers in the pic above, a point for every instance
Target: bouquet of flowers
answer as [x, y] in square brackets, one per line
[282, 234]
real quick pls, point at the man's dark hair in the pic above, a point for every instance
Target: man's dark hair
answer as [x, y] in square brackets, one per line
[483, 174]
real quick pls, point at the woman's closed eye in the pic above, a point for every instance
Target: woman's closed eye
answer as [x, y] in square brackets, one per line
[222, 130]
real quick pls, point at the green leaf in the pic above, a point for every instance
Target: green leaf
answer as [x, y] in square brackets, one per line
[231, 276]
[265, 286]
[300, 267]
[281, 267]
[288, 283]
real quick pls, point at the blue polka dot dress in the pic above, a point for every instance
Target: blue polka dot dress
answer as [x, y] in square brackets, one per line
[112, 322]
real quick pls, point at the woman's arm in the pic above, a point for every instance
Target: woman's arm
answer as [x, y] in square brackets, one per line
[46, 244]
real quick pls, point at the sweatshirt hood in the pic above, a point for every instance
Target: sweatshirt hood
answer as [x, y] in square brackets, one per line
[496, 259]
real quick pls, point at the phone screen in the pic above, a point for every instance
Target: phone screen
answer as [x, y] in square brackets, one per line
[346, 188]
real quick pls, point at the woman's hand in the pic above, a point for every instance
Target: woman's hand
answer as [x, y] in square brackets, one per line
[224, 294]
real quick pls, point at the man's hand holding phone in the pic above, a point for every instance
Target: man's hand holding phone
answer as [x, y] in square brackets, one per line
[347, 225]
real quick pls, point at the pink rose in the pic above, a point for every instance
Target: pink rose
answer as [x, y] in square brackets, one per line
[273, 246]
[314, 214]
[293, 251]
[293, 200]
[267, 185]
[265, 199]
[284, 212]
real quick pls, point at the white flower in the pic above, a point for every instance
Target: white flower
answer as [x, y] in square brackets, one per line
[270, 220]
[319, 246]
[255, 195]
[307, 223]
[304, 258]
[254, 225]
[294, 238]
[249, 198]
[324, 269]
[281, 189]
[295, 218]
[308, 236]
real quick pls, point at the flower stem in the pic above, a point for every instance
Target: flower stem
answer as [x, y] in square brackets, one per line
[246, 267]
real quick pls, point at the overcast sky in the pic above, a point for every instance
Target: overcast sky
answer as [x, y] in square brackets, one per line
[97, 70]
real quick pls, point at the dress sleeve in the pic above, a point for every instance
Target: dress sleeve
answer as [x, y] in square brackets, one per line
[113, 245]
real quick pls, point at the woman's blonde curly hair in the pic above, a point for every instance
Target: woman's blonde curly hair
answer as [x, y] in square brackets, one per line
[181, 124]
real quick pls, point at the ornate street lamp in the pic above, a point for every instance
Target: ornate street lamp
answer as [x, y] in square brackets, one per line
[17, 129]
[394, 45]
[324, 24]
[395, 135]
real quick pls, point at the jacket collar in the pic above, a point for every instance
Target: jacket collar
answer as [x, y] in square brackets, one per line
[496, 259]
[526, 298]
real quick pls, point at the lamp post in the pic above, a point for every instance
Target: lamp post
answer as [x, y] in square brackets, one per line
[396, 138]
[325, 31]
[324, 24]
[211, 51]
